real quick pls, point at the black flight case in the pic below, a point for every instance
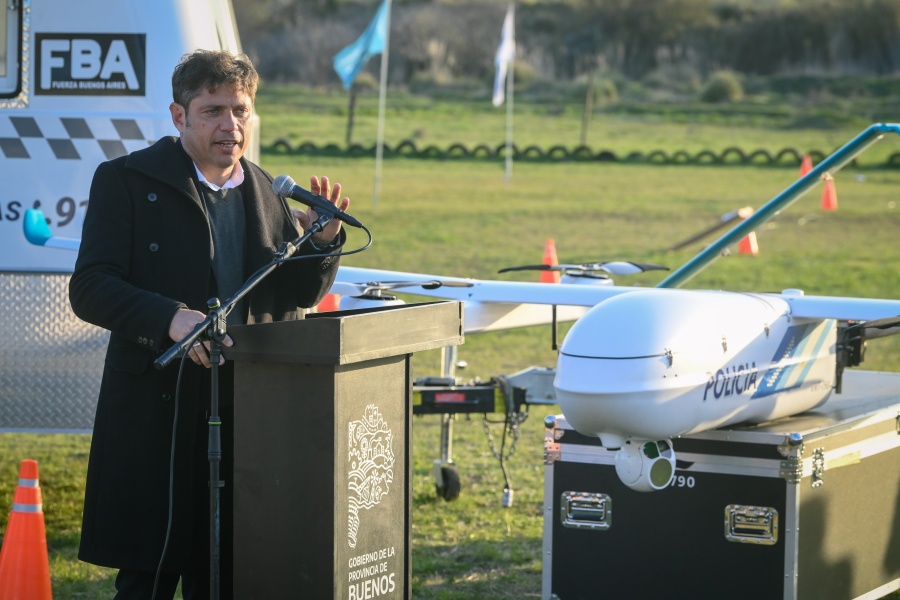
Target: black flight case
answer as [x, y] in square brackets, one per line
[802, 507]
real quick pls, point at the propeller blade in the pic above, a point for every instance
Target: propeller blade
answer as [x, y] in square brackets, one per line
[433, 285]
[625, 267]
[349, 289]
[611, 267]
[361, 289]
[651, 267]
[533, 268]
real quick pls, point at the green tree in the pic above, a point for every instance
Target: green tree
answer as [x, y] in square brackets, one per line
[644, 30]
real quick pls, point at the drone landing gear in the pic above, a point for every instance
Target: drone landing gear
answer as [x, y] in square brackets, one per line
[467, 399]
[446, 476]
[442, 396]
[446, 481]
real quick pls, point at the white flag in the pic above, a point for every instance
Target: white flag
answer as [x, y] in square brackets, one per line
[506, 53]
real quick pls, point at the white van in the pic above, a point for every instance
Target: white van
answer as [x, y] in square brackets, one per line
[81, 82]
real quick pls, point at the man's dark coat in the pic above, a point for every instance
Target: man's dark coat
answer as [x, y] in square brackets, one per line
[145, 253]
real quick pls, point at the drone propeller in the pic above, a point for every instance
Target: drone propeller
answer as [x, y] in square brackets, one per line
[611, 267]
[375, 288]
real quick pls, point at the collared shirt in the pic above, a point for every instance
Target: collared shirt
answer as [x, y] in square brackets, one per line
[236, 179]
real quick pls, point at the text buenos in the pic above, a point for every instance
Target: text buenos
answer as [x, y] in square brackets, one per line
[372, 588]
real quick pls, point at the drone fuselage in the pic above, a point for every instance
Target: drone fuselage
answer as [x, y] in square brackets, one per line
[663, 363]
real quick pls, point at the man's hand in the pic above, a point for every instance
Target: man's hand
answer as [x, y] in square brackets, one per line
[182, 324]
[322, 187]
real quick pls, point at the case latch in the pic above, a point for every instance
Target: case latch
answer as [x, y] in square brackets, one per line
[818, 467]
[751, 524]
[551, 440]
[583, 510]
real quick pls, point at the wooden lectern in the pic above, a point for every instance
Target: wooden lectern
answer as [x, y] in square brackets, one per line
[322, 458]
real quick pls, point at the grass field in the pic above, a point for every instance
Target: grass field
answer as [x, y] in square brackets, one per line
[461, 218]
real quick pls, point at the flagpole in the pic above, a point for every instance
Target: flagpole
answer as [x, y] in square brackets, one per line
[382, 94]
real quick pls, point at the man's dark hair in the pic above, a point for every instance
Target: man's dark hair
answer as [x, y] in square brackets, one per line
[208, 69]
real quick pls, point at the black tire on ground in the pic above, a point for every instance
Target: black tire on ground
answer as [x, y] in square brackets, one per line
[450, 490]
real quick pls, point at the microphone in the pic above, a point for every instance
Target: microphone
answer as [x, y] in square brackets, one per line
[285, 186]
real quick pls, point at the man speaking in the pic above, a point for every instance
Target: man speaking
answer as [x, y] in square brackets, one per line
[167, 228]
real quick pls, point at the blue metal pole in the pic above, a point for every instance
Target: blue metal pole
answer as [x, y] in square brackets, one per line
[831, 164]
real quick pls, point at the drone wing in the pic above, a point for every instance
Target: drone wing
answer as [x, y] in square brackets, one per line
[482, 290]
[493, 305]
[489, 305]
[842, 309]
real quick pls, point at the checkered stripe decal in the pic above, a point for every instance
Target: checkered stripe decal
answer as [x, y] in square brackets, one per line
[69, 138]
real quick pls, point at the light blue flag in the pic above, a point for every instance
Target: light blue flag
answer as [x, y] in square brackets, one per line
[354, 57]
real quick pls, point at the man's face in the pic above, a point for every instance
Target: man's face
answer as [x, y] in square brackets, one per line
[213, 130]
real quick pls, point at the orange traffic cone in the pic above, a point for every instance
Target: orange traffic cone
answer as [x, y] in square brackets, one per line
[829, 194]
[748, 244]
[329, 303]
[805, 165]
[551, 260]
[24, 564]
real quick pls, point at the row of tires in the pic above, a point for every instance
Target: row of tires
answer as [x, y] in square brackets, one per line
[408, 149]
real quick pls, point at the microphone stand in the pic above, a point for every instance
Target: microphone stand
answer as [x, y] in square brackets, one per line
[214, 330]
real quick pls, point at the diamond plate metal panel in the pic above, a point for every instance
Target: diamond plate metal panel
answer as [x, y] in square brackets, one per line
[50, 361]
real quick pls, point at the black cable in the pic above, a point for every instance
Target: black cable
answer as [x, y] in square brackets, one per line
[308, 256]
[171, 477]
[510, 412]
[508, 424]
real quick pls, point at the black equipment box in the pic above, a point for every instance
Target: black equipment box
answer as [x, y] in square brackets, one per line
[461, 399]
[803, 507]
